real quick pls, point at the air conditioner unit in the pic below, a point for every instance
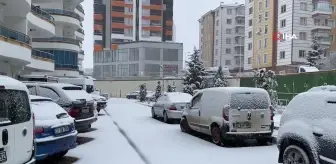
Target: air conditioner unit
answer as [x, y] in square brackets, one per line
[282, 72]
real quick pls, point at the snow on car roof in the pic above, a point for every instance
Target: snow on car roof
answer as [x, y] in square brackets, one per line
[179, 97]
[236, 89]
[323, 88]
[10, 83]
[33, 97]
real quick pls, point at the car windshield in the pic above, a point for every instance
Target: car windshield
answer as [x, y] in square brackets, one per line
[14, 106]
[249, 101]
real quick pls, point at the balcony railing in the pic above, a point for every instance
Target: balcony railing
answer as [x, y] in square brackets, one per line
[42, 54]
[80, 30]
[41, 13]
[80, 8]
[322, 24]
[15, 35]
[57, 39]
[62, 12]
[66, 67]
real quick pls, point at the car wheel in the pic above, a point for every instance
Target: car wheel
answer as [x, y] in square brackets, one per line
[153, 113]
[165, 117]
[184, 125]
[216, 135]
[295, 154]
[60, 154]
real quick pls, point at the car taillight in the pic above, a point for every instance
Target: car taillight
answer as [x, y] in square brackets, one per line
[225, 113]
[173, 107]
[38, 130]
[73, 112]
[272, 112]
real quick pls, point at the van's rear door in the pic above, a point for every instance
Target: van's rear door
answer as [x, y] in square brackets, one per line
[249, 112]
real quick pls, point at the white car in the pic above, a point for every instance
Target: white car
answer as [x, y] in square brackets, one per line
[16, 123]
[53, 127]
[100, 102]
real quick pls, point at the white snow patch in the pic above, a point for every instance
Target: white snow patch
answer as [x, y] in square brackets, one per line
[179, 97]
[330, 88]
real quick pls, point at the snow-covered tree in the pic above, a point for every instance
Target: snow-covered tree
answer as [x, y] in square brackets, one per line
[158, 91]
[169, 88]
[329, 62]
[315, 55]
[267, 80]
[173, 87]
[195, 74]
[143, 92]
[219, 79]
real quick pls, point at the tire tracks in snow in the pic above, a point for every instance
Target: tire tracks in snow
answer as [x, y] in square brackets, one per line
[130, 141]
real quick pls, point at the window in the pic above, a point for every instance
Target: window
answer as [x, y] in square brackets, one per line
[303, 36]
[259, 18]
[228, 31]
[229, 21]
[227, 62]
[266, 3]
[32, 90]
[48, 92]
[216, 52]
[260, 6]
[217, 13]
[250, 10]
[303, 6]
[282, 54]
[249, 60]
[303, 21]
[266, 29]
[250, 34]
[229, 11]
[14, 106]
[265, 42]
[217, 32]
[302, 53]
[283, 9]
[195, 102]
[216, 42]
[228, 51]
[332, 8]
[228, 40]
[245, 101]
[283, 23]
[259, 44]
[265, 58]
[250, 22]
[250, 46]
[133, 54]
[217, 23]
[266, 15]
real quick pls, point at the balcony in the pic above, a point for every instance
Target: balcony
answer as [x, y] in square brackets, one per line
[15, 45]
[80, 11]
[42, 23]
[321, 26]
[41, 61]
[67, 17]
[321, 10]
[81, 55]
[63, 43]
[66, 67]
[79, 34]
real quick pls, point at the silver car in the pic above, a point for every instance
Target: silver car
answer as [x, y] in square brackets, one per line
[170, 106]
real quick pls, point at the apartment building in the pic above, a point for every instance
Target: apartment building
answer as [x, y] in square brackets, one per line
[222, 33]
[139, 59]
[40, 36]
[119, 21]
[298, 21]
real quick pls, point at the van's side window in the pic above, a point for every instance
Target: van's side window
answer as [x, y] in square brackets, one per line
[196, 101]
[32, 90]
[47, 92]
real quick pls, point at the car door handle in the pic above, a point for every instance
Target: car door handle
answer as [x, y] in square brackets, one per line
[317, 134]
[199, 113]
[5, 137]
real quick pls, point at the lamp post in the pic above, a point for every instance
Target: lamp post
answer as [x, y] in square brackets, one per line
[161, 66]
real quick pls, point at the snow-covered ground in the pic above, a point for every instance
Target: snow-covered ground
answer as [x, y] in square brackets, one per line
[162, 143]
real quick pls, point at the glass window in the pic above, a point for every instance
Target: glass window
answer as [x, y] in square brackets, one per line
[123, 55]
[196, 101]
[134, 54]
[152, 54]
[134, 70]
[32, 90]
[122, 70]
[249, 101]
[48, 92]
[170, 55]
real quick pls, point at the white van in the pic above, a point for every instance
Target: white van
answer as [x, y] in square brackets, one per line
[16, 123]
[230, 113]
[85, 83]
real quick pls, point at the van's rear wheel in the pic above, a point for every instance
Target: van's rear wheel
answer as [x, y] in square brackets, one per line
[165, 117]
[295, 154]
[216, 135]
[184, 125]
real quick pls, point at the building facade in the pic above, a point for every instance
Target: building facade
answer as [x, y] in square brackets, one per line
[40, 36]
[119, 21]
[298, 21]
[226, 36]
[139, 59]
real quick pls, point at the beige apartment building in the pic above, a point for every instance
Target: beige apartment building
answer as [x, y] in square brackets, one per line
[206, 37]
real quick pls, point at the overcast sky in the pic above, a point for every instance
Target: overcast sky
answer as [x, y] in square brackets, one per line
[186, 14]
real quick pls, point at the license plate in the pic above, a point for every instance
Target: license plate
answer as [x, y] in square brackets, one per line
[3, 156]
[62, 129]
[243, 125]
[85, 110]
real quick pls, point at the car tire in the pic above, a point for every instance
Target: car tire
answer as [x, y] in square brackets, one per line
[293, 150]
[60, 154]
[184, 125]
[165, 117]
[216, 135]
[153, 114]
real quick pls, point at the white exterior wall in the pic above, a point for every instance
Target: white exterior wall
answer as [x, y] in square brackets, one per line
[248, 53]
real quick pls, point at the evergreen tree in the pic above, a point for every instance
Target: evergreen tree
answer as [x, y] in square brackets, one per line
[267, 80]
[219, 79]
[315, 55]
[169, 88]
[173, 87]
[158, 91]
[143, 92]
[195, 74]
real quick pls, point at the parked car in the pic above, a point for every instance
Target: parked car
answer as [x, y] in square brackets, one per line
[17, 123]
[169, 106]
[150, 96]
[331, 88]
[100, 101]
[133, 95]
[230, 113]
[307, 129]
[53, 127]
[73, 99]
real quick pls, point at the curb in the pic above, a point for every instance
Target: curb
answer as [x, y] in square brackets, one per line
[143, 104]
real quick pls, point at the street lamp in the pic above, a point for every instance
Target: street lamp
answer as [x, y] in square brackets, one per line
[162, 78]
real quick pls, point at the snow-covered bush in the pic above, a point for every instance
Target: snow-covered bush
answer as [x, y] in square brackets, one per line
[267, 80]
[169, 88]
[158, 91]
[173, 87]
[143, 92]
[219, 79]
[314, 57]
[195, 73]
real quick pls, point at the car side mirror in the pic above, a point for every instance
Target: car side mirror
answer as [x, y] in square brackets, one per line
[188, 105]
